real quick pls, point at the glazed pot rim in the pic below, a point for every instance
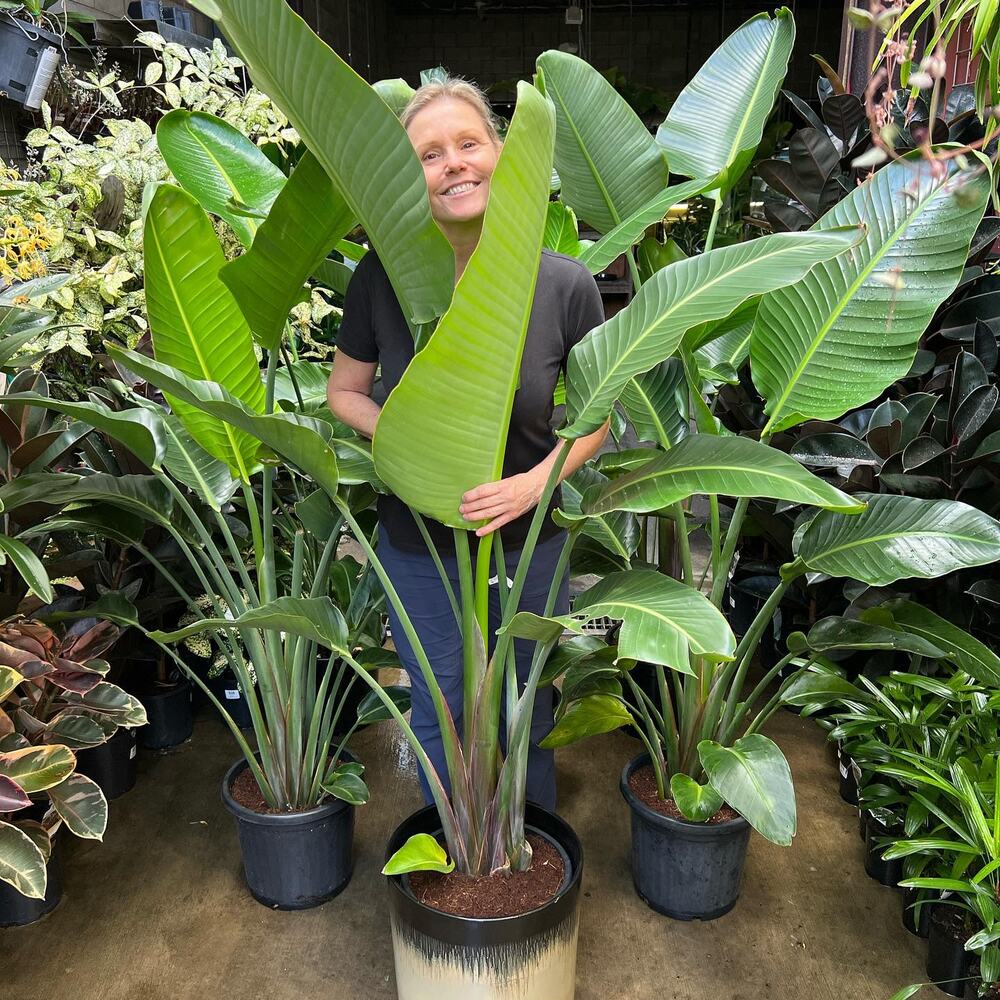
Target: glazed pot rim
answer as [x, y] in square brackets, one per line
[670, 822]
[242, 813]
[571, 880]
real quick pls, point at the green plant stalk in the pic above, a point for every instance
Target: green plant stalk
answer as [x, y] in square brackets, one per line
[671, 737]
[742, 709]
[483, 554]
[438, 564]
[714, 222]
[471, 669]
[651, 737]
[510, 667]
[683, 542]
[728, 550]
[715, 533]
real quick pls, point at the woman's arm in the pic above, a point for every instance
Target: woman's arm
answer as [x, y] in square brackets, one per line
[348, 393]
[509, 498]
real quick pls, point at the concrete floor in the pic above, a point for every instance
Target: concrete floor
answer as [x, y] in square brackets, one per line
[159, 911]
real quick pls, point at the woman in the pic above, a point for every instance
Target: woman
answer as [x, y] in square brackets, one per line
[451, 128]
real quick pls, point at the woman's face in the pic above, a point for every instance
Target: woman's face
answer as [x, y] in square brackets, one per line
[458, 157]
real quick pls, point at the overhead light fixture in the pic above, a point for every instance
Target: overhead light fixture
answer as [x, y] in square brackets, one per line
[574, 14]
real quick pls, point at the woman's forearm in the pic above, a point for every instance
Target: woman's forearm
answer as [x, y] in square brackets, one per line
[583, 449]
[355, 409]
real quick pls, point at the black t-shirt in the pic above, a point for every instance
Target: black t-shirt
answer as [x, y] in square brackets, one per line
[567, 306]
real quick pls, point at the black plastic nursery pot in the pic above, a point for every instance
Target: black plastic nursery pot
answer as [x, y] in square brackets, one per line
[294, 860]
[227, 690]
[848, 779]
[440, 956]
[684, 870]
[916, 919]
[886, 872]
[170, 715]
[113, 764]
[947, 959]
[17, 910]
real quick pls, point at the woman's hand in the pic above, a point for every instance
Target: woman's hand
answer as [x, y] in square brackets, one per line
[504, 501]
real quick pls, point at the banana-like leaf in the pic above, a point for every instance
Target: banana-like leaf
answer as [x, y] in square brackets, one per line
[562, 233]
[727, 343]
[810, 688]
[677, 298]
[973, 656]
[609, 164]
[754, 778]
[730, 466]
[308, 217]
[315, 618]
[588, 716]
[630, 230]
[191, 465]
[849, 633]
[717, 121]
[357, 139]
[81, 805]
[396, 93]
[22, 864]
[896, 538]
[663, 621]
[618, 532]
[302, 441]
[145, 495]
[656, 403]
[305, 380]
[28, 566]
[472, 362]
[195, 322]
[35, 769]
[217, 164]
[834, 339]
[139, 429]
[698, 803]
[122, 526]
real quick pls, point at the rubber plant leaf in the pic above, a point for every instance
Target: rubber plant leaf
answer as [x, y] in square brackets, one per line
[423, 452]
[22, 864]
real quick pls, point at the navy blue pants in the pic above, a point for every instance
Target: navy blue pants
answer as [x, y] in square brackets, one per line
[419, 586]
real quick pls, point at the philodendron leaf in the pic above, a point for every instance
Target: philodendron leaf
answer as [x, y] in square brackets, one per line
[472, 362]
[345, 782]
[693, 291]
[588, 716]
[315, 618]
[753, 777]
[898, 537]
[734, 91]
[835, 338]
[820, 688]
[421, 853]
[698, 803]
[849, 633]
[357, 139]
[35, 769]
[81, 805]
[22, 864]
[372, 708]
[217, 164]
[731, 466]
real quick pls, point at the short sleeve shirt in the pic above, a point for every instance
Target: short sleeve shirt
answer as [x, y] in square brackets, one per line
[567, 305]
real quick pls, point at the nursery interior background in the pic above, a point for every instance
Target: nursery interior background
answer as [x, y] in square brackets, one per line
[776, 690]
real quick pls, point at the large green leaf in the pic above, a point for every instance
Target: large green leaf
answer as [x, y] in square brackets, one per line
[22, 864]
[588, 716]
[973, 656]
[196, 324]
[357, 139]
[609, 164]
[753, 777]
[677, 298]
[301, 440]
[727, 343]
[656, 403]
[191, 465]
[28, 566]
[849, 633]
[306, 220]
[82, 806]
[632, 229]
[820, 688]
[717, 122]
[561, 231]
[698, 803]
[145, 495]
[315, 618]
[217, 164]
[471, 364]
[35, 769]
[663, 621]
[896, 538]
[834, 339]
[618, 532]
[730, 466]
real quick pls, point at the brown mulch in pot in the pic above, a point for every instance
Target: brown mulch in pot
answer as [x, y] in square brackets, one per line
[642, 781]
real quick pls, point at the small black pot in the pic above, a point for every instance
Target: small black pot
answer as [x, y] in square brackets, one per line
[947, 959]
[848, 780]
[293, 861]
[689, 871]
[17, 910]
[916, 919]
[528, 957]
[113, 765]
[888, 873]
[227, 690]
[171, 719]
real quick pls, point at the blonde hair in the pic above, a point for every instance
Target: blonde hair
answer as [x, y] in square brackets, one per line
[458, 89]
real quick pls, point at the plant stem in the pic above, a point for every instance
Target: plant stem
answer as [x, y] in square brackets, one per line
[713, 224]
[683, 542]
[438, 564]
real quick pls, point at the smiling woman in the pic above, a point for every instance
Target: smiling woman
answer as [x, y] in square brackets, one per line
[452, 130]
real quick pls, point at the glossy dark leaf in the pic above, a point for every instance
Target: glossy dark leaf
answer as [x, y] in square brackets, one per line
[843, 113]
[808, 115]
[919, 452]
[974, 411]
[786, 218]
[834, 451]
[984, 345]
